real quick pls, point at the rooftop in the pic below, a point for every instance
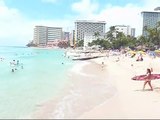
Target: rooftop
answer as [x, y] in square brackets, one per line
[90, 21]
[150, 12]
[157, 8]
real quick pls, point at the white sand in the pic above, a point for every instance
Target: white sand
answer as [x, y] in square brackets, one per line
[88, 92]
[130, 101]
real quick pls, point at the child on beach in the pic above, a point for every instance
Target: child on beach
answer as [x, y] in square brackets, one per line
[148, 79]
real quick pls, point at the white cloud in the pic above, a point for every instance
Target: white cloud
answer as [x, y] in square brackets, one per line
[85, 7]
[116, 15]
[113, 15]
[150, 4]
[128, 15]
[16, 29]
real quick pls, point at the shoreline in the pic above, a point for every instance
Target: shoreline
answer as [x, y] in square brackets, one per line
[109, 93]
[84, 91]
[131, 101]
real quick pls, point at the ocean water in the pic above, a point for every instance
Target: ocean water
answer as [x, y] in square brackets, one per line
[43, 76]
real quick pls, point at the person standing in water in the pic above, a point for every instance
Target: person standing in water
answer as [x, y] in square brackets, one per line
[17, 62]
[21, 65]
[13, 65]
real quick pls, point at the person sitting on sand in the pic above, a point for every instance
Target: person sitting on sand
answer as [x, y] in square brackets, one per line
[140, 58]
[117, 59]
[148, 79]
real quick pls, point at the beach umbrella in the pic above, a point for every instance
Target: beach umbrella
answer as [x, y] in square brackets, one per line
[132, 52]
[143, 77]
[141, 52]
[157, 51]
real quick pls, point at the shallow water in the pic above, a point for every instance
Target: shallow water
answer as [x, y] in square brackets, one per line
[85, 92]
[42, 77]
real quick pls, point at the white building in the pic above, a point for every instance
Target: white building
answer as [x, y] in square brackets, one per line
[126, 29]
[54, 33]
[150, 19]
[72, 38]
[40, 37]
[44, 34]
[88, 38]
[83, 27]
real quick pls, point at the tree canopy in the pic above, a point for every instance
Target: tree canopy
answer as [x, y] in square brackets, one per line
[117, 40]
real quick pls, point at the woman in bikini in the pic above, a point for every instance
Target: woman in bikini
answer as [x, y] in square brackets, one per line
[148, 79]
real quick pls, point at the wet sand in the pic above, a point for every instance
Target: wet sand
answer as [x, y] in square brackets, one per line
[88, 88]
[96, 93]
[130, 101]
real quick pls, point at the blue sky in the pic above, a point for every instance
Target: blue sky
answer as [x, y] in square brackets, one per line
[52, 9]
[18, 17]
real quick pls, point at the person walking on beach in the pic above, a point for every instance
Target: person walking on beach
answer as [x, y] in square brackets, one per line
[102, 65]
[148, 79]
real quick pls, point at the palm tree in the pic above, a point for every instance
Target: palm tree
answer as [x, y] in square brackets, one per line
[110, 33]
[153, 35]
[142, 41]
[96, 34]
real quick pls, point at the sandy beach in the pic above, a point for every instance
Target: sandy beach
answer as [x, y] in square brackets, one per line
[87, 88]
[108, 92]
[130, 101]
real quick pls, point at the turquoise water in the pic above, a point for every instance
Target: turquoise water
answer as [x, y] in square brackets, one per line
[42, 77]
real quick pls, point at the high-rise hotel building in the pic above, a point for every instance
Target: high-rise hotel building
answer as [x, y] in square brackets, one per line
[86, 27]
[126, 29]
[150, 19]
[44, 34]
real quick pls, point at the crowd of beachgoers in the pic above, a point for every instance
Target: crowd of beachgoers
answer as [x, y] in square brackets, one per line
[14, 64]
[134, 98]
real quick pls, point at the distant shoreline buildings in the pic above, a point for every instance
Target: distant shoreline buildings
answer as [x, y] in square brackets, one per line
[45, 34]
[89, 30]
[150, 19]
[126, 29]
[86, 29]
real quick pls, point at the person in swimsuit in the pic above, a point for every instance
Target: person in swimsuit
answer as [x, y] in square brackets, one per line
[148, 79]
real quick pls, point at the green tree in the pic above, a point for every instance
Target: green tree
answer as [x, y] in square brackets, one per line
[121, 41]
[131, 42]
[96, 34]
[110, 33]
[105, 44]
[80, 43]
[153, 35]
[142, 40]
[31, 44]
